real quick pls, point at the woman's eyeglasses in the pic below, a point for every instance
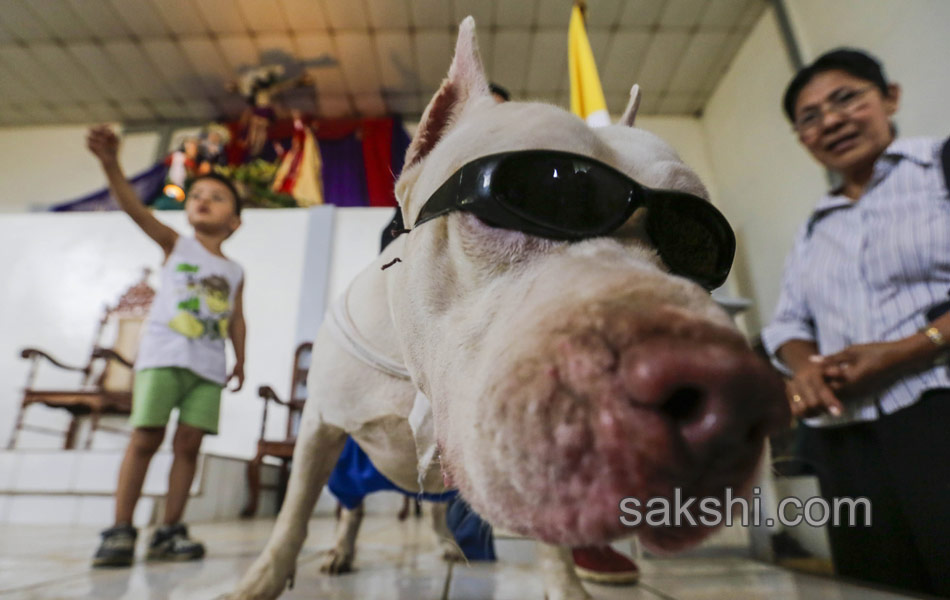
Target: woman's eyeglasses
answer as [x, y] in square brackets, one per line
[841, 102]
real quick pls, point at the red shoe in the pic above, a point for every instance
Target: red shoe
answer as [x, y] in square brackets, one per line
[603, 564]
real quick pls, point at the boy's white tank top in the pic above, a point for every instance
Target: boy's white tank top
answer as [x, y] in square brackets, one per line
[188, 321]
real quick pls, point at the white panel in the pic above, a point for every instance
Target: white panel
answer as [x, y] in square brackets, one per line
[694, 67]
[752, 14]
[603, 13]
[22, 62]
[334, 107]
[599, 39]
[138, 69]
[622, 67]
[61, 65]
[616, 102]
[396, 68]
[548, 66]
[676, 104]
[553, 13]
[403, 104]
[481, 10]
[103, 112]
[181, 16]
[222, 16]
[434, 55]
[388, 14]
[641, 13]
[239, 51]
[724, 14]
[515, 14]
[21, 22]
[60, 19]
[103, 69]
[431, 14]
[682, 13]
[329, 80]
[100, 18]
[486, 45]
[276, 48]
[304, 15]
[173, 64]
[661, 58]
[170, 109]
[207, 61]
[137, 110]
[200, 109]
[15, 90]
[263, 16]
[37, 113]
[141, 17]
[358, 62]
[723, 59]
[649, 102]
[370, 105]
[74, 113]
[512, 49]
[346, 15]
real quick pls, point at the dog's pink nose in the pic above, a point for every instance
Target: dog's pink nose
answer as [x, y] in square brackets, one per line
[715, 397]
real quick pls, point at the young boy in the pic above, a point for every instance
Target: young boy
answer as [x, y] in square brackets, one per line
[181, 359]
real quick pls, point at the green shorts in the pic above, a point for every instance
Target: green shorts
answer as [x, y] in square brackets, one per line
[156, 392]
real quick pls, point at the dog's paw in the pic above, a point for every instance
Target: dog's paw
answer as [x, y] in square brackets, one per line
[337, 562]
[450, 551]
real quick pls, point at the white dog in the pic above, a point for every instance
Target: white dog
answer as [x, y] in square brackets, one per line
[566, 371]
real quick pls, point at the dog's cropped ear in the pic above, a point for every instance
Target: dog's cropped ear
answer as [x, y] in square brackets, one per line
[630, 113]
[465, 82]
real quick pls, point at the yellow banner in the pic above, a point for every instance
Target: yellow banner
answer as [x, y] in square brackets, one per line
[587, 97]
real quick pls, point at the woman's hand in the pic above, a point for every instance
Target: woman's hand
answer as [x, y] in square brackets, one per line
[809, 394]
[867, 368]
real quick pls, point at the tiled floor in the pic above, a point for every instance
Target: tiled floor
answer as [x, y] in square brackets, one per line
[396, 561]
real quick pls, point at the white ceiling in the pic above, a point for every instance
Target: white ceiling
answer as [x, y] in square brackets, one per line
[78, 61]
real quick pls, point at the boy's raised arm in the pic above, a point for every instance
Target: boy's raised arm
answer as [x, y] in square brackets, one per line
[104, 144]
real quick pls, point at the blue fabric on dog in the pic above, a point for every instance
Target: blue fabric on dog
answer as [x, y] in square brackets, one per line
[355, 477]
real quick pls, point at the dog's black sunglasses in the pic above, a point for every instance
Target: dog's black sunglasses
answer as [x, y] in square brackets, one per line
[565, 196]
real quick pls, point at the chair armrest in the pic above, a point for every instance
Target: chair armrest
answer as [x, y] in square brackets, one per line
[110, 354]
[267, 393]
[34, 353]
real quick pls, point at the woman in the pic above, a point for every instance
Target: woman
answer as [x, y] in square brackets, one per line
[850, 325]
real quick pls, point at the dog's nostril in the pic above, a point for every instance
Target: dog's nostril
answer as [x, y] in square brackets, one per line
[684, 405]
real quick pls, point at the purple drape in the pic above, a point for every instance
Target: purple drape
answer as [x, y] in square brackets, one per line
[344, 175]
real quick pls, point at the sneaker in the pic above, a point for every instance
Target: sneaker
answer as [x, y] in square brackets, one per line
[603, 564]
[117, 548]
[171, 542]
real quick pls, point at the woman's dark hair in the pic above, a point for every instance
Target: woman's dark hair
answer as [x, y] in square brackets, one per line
[224, 181]
[854, 62]
[497, 89]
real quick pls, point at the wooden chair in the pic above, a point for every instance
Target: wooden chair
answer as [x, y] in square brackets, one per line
[281, 449]
[106, 384]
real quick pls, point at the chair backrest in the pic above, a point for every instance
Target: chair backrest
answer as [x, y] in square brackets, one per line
[298, 387]
[127, 319]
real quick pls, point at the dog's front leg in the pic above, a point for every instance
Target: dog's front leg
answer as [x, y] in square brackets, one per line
[557, 570]
[318, 447]
[340, 558]
[450, 550]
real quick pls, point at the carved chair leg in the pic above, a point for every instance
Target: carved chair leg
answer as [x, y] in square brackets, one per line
[282, 481]
[16, 427]
[69, 442]
[93, 426]
[253, 485]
